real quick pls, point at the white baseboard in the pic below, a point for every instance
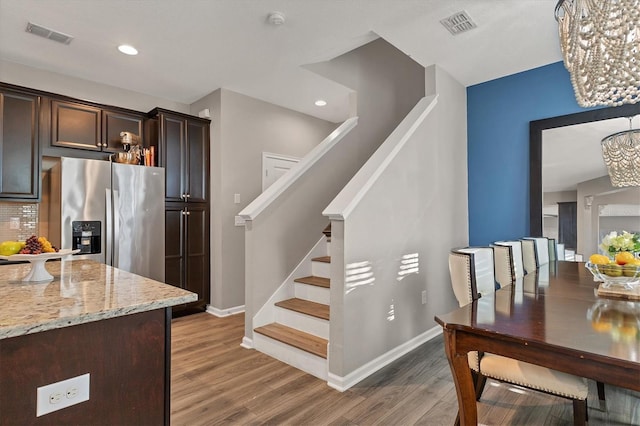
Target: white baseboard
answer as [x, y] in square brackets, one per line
[225, 312]
[247, 343]
[343, 383]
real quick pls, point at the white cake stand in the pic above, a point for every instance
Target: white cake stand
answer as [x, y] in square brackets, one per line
[38, 272]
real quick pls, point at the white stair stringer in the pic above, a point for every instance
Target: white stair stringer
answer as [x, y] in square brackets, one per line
[302, 360]
[303, 322]
[312, 293]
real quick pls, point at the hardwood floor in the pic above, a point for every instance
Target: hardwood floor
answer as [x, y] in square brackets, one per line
[214, 381]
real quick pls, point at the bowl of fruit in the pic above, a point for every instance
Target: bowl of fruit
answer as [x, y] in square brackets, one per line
[622, 272]
[36, 250]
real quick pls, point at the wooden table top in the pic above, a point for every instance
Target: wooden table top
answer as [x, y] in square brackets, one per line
[559, 308]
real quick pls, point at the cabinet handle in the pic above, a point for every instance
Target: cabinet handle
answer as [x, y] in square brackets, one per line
[187, 195]
[185, 212]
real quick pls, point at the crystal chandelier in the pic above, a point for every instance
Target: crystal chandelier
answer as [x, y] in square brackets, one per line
[621, 153]
[600, 43]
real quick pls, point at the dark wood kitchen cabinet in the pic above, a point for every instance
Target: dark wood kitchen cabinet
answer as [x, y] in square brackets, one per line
[91, 127]
[19, 145]
[183, 147]
[183, 150]
[187, 252]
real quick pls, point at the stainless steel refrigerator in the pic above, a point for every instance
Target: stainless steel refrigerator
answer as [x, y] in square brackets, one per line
[113, 213]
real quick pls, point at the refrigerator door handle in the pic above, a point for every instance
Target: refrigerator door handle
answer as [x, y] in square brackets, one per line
[108, 228]
[116, 228]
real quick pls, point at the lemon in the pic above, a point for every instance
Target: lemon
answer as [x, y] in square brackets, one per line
[8, 248]
[599, 259]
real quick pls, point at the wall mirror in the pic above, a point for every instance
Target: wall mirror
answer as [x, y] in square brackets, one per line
[568, 179]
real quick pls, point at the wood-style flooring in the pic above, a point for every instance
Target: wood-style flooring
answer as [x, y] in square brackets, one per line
[214, 381]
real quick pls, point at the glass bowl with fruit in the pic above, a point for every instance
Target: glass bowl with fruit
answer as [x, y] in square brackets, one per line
[621, 272]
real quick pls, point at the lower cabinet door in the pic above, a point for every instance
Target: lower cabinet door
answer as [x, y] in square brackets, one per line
[187, 252]
[174, 260]
[197, 252]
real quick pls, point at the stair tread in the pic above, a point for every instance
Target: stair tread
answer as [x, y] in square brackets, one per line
[307, 307]
[325, 259]
[313, 280]
[296, 338]
[327, 230]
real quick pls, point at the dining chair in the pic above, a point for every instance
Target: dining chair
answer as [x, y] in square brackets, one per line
[529, 259]
[469, 286]
[560, 251]
[553, 250]
[509, 267]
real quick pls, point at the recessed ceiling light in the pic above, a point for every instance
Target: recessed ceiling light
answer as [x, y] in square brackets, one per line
[127, 49]
[321, 102]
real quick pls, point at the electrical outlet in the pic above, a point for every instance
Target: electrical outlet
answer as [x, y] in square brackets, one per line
[63, 394]
[424, 297]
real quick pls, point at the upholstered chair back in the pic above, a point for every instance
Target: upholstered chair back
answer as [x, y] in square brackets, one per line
[504, 268]
[529, 256]
[553, 250]
[516, 252]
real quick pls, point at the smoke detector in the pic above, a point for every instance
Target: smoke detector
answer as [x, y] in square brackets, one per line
[458, 23]
[276, 18]
[45, 32]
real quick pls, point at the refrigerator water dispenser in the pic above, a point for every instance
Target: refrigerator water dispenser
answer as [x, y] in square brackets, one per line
[86, 236]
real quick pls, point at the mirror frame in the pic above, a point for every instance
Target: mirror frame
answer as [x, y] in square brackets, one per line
[535, 151]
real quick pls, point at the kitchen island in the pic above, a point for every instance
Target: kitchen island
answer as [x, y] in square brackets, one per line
[91, 318]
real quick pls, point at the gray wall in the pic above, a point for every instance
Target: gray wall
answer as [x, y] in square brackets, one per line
[21, 75]
[417, 208]
[241, 129]
[388, 84]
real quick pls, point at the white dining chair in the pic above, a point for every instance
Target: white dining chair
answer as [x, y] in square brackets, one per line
[560, 251]
[553, 250]
[516, 251]
[469, 287]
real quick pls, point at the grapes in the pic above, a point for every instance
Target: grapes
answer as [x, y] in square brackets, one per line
[35, 245]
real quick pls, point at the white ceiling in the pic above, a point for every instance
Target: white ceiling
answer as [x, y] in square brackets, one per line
[189, 48]
[573, 154]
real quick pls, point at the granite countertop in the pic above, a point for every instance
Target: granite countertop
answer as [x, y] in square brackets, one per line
[81, 291]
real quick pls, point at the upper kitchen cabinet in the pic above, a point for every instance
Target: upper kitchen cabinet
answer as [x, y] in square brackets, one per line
[183, 149]
[19, 145]
[91, 127]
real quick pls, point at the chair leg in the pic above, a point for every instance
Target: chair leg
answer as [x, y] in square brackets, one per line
[479, 380]
[601, 396]
[579, 412]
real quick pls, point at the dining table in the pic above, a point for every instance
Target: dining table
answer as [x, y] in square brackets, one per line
[552, 317]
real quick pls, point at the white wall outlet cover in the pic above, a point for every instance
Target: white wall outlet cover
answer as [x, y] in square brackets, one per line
[63, 394]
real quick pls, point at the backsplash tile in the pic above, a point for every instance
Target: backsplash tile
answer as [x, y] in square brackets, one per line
[26, 214]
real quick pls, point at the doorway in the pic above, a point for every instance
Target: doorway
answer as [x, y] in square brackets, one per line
[274, 166]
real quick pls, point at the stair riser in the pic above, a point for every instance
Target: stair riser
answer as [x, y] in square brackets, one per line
[305, 361]
[321, 269]
[312, 293]
[312, 325]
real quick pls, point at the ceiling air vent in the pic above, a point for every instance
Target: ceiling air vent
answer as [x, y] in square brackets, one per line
[41, 31]
[458, 23]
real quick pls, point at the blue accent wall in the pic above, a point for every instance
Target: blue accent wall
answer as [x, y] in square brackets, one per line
[498, 116]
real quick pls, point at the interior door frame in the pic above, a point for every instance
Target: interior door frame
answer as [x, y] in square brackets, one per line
[266, 155]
